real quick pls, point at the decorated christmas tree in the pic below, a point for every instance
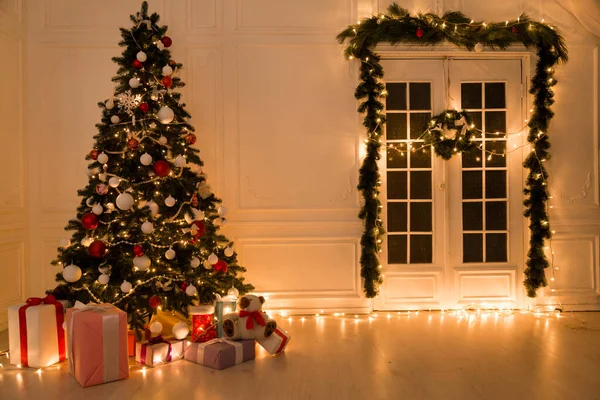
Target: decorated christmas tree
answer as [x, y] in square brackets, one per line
[147, 229]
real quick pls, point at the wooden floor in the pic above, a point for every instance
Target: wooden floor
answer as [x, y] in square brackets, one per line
[424, 356]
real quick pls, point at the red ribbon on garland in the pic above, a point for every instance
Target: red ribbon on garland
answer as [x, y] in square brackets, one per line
[60, 318]
[254, 315]
[155, 340]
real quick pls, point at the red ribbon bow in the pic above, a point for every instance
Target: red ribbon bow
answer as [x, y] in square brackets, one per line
[254, 315]
[60, 317]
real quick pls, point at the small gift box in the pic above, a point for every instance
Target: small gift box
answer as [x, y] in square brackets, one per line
[203, 328]
[223, 306]
[35, 332]
[158, 350]
[131, 340]
[97, 343]
[277, 342]
[220, 353]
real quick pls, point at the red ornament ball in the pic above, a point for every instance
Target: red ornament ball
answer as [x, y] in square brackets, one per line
[221, 266]
[97, 249]
[144, 107]
[420, 32]
[89, 221]
[138, 250]
[94, 154]
[190, 138]
[183, 286]
[161, 168]
[198, 228]
[101, 189]
[133, 143]
[167, 81]
[514, 29]
[172, 63]
[166, 41]
[137, 64]
[154, 301]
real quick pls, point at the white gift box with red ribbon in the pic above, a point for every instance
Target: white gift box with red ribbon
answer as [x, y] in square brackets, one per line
[277, 342]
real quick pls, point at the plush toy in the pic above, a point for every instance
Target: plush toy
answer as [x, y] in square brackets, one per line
[250, 322]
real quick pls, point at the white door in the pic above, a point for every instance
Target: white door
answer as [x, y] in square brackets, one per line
[455, 228]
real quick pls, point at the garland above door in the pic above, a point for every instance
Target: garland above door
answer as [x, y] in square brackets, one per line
[397, 26]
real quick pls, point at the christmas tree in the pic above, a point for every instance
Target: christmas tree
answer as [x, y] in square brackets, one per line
[147, 230]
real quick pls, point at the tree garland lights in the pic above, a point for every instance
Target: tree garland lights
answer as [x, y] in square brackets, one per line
[397, 26]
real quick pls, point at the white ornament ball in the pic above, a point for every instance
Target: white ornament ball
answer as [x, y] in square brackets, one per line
[222, 211]
[180, 161]
[90, 201]
[115, 119]
[72, 273]
[213, 258]
[478, 47]
[103, 177]
[142, 262]
[207, 264]
[110, 104]
[146, 159]
[91, 172]
[162, 140]
[165, 115]
[195, 262]
[170, 201]
[228, 252]
[153, 208]
[103, 279]
[134, 82]
[147, 227]
[97, 209]
[167, 70]
[191, 290]
[86, 241]
[65, 243]
[156, 327]
[218, 221]
[102, 158]
[104, 270]
[126, 287]
[170, 254]
[180, 330]
[141, 56]
[124, 201]
[233, 292]
[114, 182]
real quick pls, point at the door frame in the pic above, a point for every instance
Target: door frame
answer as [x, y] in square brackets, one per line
[405, 53]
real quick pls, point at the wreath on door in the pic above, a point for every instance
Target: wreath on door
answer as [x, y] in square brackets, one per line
[397, 26]
[450, 133]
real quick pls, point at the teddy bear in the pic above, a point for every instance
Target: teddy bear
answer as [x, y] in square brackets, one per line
[250, 322]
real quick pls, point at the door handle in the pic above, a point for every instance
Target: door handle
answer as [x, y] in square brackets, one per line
[442, 186]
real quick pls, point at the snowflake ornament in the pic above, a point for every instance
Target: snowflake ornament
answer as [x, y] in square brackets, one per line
[128, 102]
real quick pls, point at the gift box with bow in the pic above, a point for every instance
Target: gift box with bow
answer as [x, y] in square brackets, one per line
[35, 332]
[159, 350]
[97, 343]
[220, 353]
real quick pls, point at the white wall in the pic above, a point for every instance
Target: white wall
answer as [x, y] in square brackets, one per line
[272, 99]
[13, 160]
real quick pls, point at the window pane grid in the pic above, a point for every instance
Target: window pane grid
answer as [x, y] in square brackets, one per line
[487, 244]
[412, 110]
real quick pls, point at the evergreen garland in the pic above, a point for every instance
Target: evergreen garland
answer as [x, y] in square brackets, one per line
[446, 147]
[397, 26]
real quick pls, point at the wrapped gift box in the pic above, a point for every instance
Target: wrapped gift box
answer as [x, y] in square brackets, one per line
[35, 332]
[168, 321]
[277, 342]
[159, 351]
[203, 326]
[97, 343]
[131, 341]
[220, 353]
[223, 306]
